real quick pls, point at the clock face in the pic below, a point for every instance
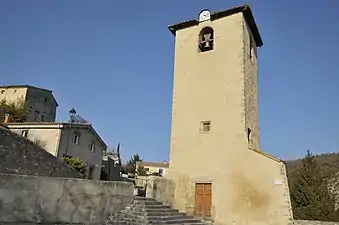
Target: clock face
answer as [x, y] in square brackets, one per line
[204, 15]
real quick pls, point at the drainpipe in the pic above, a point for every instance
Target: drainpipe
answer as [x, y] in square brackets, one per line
[72, 114]
[68, 137]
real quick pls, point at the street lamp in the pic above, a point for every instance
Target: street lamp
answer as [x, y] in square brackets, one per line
[72, 113]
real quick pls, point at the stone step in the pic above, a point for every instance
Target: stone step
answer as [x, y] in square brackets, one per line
[128, 221]
[182, 221]
[170, 217]
[149, 211]
[133, 223]
[151, 206]
[160, 214]
[147, 203]
[110, 222]
[178, 219]
[201, 223]
[138, 198]
[154, 217]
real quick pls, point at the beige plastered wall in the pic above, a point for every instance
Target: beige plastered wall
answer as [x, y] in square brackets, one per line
[248, 186]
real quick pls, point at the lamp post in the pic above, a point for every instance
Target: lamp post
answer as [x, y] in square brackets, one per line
[72, 113]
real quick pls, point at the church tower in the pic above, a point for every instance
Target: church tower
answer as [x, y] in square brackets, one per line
[215, 94]
[215, 127]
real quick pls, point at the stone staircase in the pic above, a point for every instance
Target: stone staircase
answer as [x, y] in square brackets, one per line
[149, 211]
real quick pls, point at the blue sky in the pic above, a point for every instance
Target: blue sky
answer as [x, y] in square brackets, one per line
[113, 62]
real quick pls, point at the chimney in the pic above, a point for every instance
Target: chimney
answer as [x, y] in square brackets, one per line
[6, 118]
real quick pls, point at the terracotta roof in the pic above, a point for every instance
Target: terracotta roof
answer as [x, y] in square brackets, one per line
[245, 9]
[153, 164]
[88, 125]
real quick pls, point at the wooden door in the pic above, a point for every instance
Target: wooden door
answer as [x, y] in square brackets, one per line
[203, 199]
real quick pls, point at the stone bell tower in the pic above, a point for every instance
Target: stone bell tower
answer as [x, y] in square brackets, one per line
[215, 127]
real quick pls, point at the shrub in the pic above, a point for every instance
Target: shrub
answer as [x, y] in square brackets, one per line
[76, 163]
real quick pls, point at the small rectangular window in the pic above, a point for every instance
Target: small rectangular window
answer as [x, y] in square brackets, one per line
[2, 91]
[92, 146]
[76, 138]
[45, 100]
[205, 126]
[24, 133]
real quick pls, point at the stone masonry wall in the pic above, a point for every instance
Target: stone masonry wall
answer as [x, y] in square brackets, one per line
[161, 189]
[41, 105]
[251, 88]
[30, 199]
[19, 155]
[309, 222]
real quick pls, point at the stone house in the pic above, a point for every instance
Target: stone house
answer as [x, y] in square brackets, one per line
[77, 140]
[153, 167]
[41, 104]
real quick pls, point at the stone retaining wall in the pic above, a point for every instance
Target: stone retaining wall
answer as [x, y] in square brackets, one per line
[161, 189]
[312, 222]
[31, 199]
[18, 155]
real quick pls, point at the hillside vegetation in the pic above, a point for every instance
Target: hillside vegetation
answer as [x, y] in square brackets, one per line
[328, 165]
[313, 187]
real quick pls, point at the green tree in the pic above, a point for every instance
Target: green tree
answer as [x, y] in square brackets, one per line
[141, 171]
[132, 163]
[76, 163]
[310, 196]
[18, 110]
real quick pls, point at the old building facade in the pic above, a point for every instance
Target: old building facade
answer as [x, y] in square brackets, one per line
[41, 104]
[75, 140]
[216, 163]
[159, 168]
[111, 166]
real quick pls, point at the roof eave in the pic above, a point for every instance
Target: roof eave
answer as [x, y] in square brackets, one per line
[189, 23]
[245, 9]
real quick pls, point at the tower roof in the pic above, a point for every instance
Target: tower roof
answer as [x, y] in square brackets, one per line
[245, 9]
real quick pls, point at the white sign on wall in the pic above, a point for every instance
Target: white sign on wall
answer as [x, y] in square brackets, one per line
[278, 182]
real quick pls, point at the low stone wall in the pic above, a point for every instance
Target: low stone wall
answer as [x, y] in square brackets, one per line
[161, 189]
[30, 199]
[311, 222]
[44, 224]
[141, 181]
